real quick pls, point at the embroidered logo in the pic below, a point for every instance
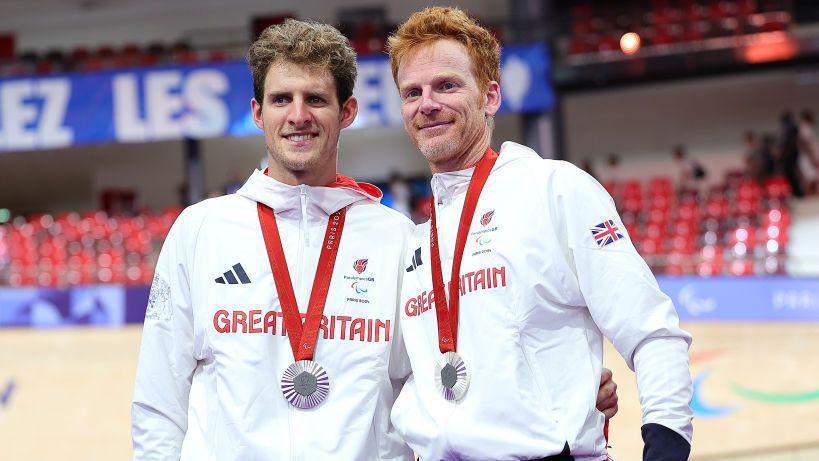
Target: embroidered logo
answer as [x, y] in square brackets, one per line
[159, 300]
[360, 265]
[416, 260]
[234, 276]
[482, 240]
[487, 218]
[359, 288]
[606, 233]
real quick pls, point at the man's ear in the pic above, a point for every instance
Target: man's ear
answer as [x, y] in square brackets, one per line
[348, 112]
[492, 96]
[257, 113]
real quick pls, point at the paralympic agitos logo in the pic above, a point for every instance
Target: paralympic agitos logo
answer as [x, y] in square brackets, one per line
[706, 410]
[359, 288]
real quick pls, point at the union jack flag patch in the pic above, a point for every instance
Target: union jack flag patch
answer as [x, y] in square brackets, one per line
[605, 233]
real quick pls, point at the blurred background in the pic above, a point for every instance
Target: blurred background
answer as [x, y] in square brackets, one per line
[698, 116]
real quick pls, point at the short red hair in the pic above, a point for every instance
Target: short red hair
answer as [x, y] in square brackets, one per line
[438, 23]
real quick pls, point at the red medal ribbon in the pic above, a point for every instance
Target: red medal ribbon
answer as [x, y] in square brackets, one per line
[448, 314]
[302, 341]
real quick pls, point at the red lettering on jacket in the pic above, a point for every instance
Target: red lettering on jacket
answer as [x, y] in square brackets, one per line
[239, 318]
[255, 318]
[257, 321]
[483, 279]
[221, 322]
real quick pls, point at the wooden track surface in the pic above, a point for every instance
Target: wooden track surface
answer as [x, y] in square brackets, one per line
[73, 388]
[775, 358]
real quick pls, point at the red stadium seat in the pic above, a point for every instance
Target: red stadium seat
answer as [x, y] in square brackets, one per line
[217, 55]
[741, 266]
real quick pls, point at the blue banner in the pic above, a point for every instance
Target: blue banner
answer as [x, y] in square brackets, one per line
[755, 299]
[203, 101]
[696, 299]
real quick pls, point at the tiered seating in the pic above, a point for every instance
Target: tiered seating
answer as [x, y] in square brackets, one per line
[74, 249]
[105, 57]
[739, 228]
[598, 26]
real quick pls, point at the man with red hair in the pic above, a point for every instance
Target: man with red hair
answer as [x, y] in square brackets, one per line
[531, 258]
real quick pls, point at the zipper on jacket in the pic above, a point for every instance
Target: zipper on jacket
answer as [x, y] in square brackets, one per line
[304, 240]
[303, 225]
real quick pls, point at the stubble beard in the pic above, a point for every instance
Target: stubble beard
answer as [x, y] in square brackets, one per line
[438, 151]
[295, 163]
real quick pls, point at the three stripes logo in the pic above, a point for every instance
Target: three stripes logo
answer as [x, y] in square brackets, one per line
[234, 276]
[416, 260]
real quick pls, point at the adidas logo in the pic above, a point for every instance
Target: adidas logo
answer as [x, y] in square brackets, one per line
[416, 260]
[230, 276]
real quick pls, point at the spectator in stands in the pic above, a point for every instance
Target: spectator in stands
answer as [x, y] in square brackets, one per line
[611, 173]
[766, 156]
[751, 143]
[808, 151]
[691, 172]
[788, 153]
[401, 193]
[759, 162]
[586, 165]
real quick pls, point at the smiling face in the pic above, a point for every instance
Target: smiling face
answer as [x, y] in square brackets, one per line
[301, 119]
[445, 112]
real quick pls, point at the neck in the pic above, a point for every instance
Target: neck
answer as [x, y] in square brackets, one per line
[320, 177]
[461, 161]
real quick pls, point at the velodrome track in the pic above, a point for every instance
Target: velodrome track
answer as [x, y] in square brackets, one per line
[757, 393]
[758, 390]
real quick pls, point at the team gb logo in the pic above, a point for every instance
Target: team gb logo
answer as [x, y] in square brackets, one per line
[360, 265]
[487, 217]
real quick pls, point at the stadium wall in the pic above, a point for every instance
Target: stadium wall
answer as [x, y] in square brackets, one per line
[40, 26]
[708, 116]
[155, 170]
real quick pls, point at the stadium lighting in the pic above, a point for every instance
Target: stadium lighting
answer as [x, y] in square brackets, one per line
[630, 42]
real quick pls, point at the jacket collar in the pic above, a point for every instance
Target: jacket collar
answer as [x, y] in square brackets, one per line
[328, 199]
[452, 183]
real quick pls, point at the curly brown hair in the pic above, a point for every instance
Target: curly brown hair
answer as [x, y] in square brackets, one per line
[306, 43]
[436, 23]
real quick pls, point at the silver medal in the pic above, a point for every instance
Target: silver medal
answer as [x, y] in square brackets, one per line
[305, 384]
[451, 376]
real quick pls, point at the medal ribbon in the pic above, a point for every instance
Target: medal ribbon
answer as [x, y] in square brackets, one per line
[448, 314]
[302, 340]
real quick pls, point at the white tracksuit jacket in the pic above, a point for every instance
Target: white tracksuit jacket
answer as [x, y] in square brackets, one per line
[213, 349]
[537, 296]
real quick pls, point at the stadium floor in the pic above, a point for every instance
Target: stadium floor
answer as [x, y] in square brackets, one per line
[756, 393]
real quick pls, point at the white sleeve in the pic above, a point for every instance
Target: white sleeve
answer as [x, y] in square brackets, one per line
[625, 301]
[159, 411]
[399, 368]
[394, 447]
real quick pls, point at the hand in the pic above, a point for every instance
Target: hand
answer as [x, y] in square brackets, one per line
[607, 395]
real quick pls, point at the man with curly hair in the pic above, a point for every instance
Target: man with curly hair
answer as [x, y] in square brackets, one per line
[227, 369]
